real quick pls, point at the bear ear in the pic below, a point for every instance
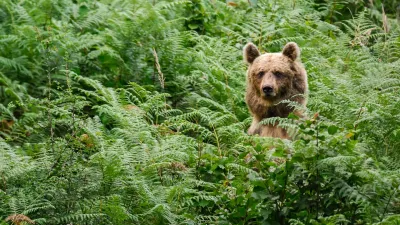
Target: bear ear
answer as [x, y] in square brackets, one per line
[291, 50]
[250, 53]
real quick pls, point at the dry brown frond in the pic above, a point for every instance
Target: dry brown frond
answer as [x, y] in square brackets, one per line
[19, 219]
[178, 166]
[157, 64]
[384, 21]
[279, 161]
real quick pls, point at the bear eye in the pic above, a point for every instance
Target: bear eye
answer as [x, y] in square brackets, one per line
[278, 74]
[260, 74]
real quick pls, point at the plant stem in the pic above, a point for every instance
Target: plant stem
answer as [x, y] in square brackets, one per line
[317, 178]
[387, 204]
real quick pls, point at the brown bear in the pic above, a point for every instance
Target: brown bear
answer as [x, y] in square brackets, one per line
[271, 78]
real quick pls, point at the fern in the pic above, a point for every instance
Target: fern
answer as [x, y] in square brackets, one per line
[90, 134]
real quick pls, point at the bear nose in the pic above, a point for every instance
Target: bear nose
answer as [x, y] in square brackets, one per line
[267, 90]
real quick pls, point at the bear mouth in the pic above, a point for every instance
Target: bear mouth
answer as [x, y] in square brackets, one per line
[269, 96]
[269, 99]
[273, 98]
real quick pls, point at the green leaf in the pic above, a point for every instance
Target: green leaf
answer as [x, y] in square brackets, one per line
[332, 129]
[259, 195]
[203, 203]
[193, 26]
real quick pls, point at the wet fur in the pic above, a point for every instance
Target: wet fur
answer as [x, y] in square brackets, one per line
[293, 82]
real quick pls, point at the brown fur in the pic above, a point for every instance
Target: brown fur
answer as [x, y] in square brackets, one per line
[271, 78]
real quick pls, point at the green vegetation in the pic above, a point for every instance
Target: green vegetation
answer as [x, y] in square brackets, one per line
[133, 112]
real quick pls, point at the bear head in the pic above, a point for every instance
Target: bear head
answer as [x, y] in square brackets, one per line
[274, 76]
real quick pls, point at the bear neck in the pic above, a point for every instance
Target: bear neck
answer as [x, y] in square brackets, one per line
[280, 110]
[262, 109]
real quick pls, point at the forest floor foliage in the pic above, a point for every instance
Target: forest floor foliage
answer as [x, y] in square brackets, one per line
[133, 112]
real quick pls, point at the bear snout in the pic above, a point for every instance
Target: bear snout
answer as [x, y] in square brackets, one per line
[268, 91]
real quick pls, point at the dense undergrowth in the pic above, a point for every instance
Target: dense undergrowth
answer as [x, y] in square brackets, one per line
[133, 112]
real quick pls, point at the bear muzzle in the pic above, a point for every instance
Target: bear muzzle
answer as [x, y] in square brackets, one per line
[268, 91]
